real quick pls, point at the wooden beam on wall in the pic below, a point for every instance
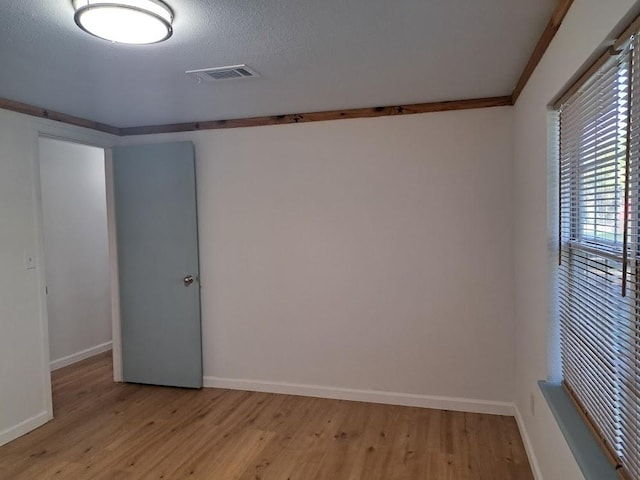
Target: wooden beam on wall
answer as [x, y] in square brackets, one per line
[321, 116]
[541, 47]
[260, 121]
[57, 116]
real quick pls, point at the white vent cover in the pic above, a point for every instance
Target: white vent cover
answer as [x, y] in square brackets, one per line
[223, 73]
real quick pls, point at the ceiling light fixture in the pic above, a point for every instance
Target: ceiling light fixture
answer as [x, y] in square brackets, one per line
[135, 22]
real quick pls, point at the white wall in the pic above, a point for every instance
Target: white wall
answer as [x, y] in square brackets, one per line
[25, 400]
[74, 212]
[366, 254]
[587, 24]
[369, 254]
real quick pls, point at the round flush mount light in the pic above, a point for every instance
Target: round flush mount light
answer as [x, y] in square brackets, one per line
[135, 22]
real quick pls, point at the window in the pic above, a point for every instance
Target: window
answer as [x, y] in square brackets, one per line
[599, 273]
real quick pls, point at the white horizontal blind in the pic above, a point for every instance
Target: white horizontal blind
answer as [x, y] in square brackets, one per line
[629, 350]
[599, 219]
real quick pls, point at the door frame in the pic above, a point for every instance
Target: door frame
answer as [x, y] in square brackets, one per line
[114, 285]
[93, 139]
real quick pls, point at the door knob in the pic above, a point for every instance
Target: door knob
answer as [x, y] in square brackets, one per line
[188, 280]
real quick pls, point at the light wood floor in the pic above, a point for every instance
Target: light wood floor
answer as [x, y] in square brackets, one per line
[108, 431]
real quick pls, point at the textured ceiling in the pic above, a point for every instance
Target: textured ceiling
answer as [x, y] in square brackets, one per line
[313, 55]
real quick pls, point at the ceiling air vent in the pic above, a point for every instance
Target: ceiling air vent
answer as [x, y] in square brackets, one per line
[223, 73]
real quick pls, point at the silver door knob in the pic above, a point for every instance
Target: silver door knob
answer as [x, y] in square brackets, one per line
[188, 280]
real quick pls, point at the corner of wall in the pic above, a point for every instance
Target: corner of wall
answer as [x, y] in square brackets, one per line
[528, 445]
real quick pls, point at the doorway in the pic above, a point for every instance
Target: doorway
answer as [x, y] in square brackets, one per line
[76, 247]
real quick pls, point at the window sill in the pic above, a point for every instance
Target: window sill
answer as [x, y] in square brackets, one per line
[591, 458]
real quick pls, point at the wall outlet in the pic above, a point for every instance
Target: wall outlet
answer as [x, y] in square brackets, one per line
[532, 404]
[29, 260]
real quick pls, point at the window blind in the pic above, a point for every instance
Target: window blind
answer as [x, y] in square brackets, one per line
[599, 298]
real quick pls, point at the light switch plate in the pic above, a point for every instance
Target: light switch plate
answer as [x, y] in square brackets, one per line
[29, 260]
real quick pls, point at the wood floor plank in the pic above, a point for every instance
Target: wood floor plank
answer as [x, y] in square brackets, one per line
[347, 441]
[108, 431]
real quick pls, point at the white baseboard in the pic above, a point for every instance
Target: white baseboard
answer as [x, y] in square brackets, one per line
[528, 446]
[76, 357]
[371, 396]
[26, 426]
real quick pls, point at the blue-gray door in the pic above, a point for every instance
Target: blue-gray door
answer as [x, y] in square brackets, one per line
[157, 240]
